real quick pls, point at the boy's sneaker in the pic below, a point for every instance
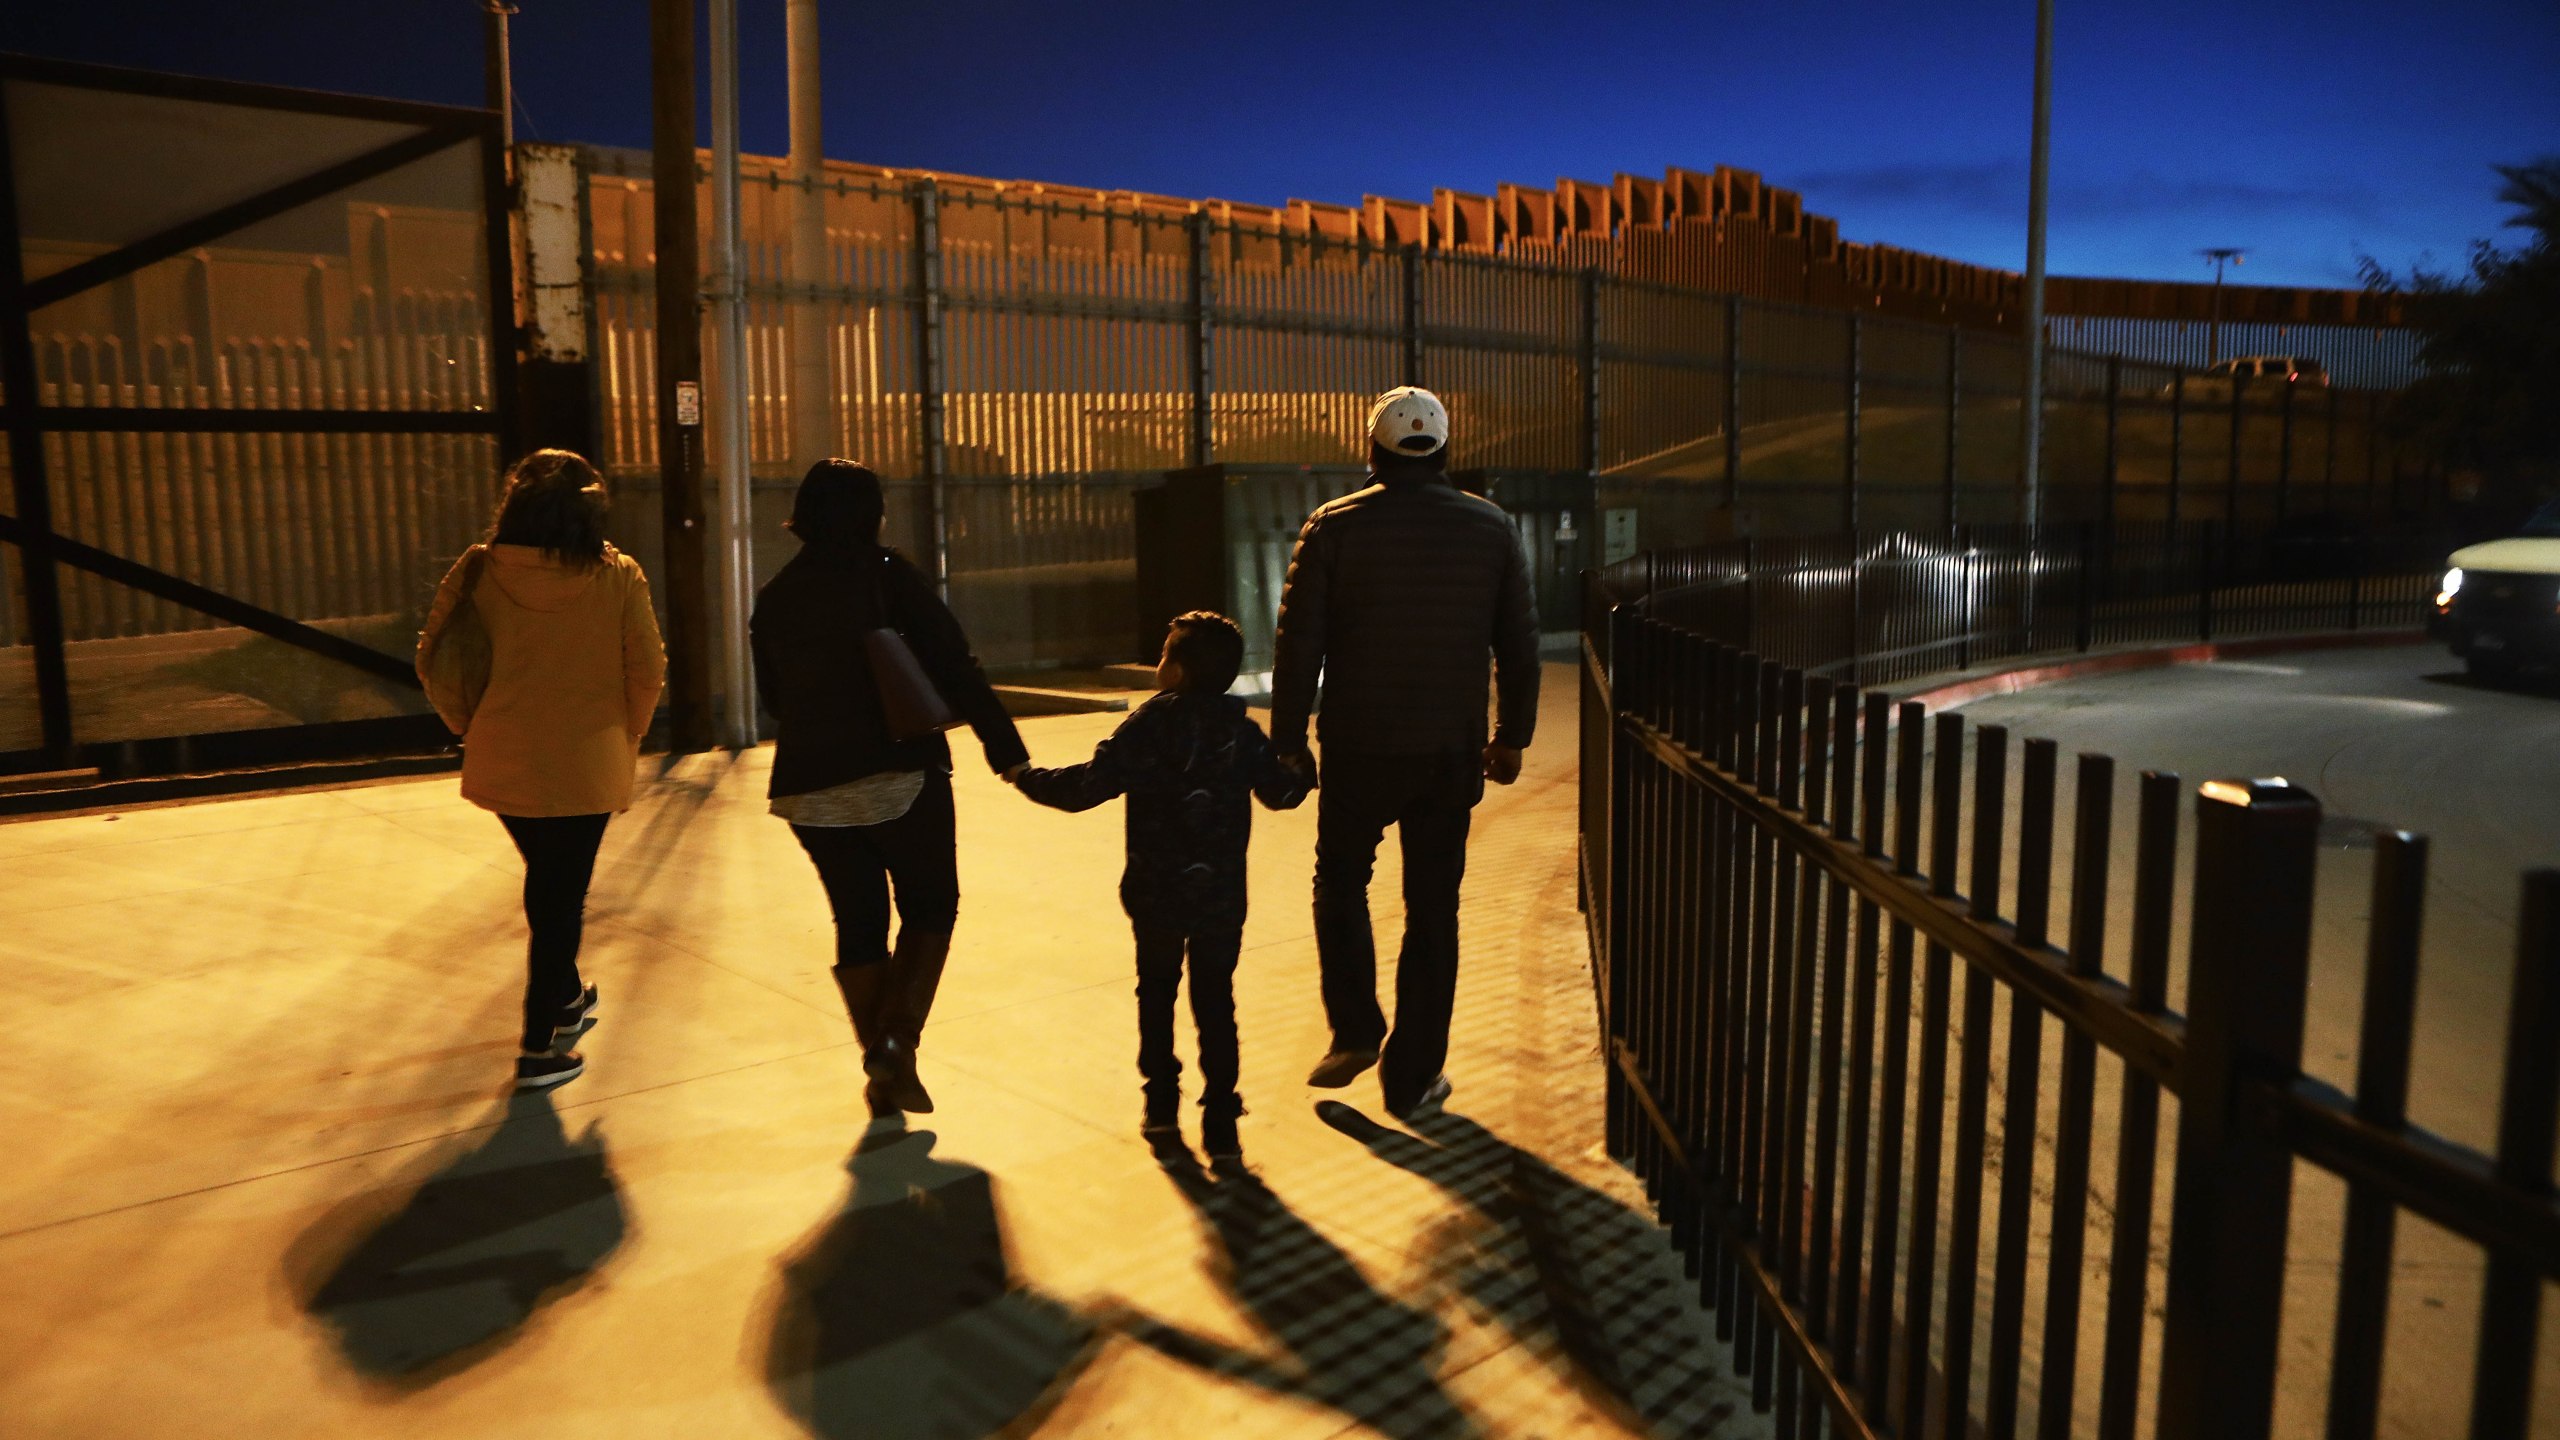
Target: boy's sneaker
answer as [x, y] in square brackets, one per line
[1218, 1133]
[541, 1072]
[1429, 1105]
[1340, 1067]
[1164, 1112]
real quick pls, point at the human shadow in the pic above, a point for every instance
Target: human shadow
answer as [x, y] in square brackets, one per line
[900, 1317]
[1345, 1345]
[418, 1280]
[1574, 1275]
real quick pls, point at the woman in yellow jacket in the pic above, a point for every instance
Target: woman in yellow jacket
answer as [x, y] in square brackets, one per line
[551, 736]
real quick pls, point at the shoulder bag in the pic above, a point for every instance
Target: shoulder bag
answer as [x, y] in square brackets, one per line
[909, 704]
[457, 658]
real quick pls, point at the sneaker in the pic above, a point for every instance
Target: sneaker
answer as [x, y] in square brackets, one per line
[1218, 1135]
[1164, 1112]
[541, 1072]
[1429, 1105]
[1340, 1067]
[576, 1019]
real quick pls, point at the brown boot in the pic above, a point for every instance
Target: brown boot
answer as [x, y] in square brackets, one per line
[866, 991]
[916, 968]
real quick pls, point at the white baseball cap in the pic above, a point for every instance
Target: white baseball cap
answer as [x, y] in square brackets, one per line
[1410, 421]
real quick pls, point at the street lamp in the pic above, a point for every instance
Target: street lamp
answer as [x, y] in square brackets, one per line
[2219, 255]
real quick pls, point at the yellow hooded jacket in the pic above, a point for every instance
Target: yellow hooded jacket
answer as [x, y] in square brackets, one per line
[575, 665]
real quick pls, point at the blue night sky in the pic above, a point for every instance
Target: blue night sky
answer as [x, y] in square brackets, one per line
[2308, 134]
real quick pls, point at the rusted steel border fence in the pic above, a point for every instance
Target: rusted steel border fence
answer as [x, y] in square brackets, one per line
[1807, 985]
[1080, 333]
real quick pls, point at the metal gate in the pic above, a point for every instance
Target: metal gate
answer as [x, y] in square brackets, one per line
[258, 368]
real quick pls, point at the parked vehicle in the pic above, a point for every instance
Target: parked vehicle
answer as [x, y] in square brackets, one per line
[2499, 605]
[2260, 373]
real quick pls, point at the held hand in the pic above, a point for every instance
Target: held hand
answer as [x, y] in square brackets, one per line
[1012, 774]
[1501, 763]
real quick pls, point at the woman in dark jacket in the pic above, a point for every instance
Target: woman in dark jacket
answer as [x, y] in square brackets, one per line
[873, 812]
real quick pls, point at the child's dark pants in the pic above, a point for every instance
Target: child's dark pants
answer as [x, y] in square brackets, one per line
[1213, 1007]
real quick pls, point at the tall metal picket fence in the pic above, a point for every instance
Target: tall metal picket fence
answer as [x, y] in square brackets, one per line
[1832, 936]
[1005, 337]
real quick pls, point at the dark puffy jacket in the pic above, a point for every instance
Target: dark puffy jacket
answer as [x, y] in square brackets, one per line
[1187, 764]
[811, 671]
[1397, 595]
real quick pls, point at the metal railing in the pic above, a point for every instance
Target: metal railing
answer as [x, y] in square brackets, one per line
[1879, 607]
[1817, 937]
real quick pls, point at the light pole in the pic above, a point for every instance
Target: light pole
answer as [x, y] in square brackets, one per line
[2220, 255]
[2038, 163]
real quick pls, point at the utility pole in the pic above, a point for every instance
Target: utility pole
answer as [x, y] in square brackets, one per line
[498, 76]
[2219, 255]
[680, 577]
[735, 572]
[2038, 164]
[812, 403]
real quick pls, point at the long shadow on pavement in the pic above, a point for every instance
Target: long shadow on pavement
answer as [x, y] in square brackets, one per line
[1349, 1347]
[1575, 1276]
[420, 1280]
[900, 1318]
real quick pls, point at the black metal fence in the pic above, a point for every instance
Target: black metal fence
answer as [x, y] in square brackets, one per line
[1815, 948]
[1878, 607]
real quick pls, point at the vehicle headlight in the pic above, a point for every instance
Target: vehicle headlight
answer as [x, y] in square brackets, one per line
[2452, 586]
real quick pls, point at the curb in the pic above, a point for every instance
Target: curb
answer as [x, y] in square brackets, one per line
[2027, 677]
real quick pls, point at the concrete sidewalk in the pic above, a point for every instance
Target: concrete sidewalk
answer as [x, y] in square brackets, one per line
[266, 1179]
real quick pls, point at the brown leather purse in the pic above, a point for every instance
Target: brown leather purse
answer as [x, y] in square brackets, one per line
[910, 706]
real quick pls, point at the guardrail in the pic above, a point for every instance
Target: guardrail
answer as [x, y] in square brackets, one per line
[1805, 915]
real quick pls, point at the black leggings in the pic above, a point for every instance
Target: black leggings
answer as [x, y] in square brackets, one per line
[858, 864]
[559, 859]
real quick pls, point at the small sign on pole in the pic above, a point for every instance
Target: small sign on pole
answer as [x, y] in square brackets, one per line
[688, 402]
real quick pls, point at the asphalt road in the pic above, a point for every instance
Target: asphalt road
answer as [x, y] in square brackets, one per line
[2388, 738]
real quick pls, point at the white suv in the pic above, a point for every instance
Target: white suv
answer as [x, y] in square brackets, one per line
[2499, 605]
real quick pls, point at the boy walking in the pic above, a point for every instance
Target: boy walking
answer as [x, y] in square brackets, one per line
[1187, 759]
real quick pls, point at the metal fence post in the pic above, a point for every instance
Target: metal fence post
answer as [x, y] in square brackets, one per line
[2084, 628]
[32, 494]
[2231, 475]
[2206, 573]
[1954, 416]
[1750, 594]
[2329, 459]
[2284, 451]
[2115, 396]
[2177, 440]
[1591, 372]
[933, 455]
[1849, 442]
[1964, 644]
[1732, 403]
[1623, 677]
[1203, 420]
[2249, 978]
[1411, 328]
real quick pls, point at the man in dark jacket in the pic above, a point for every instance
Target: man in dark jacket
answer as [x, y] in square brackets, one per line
[1397, 596]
